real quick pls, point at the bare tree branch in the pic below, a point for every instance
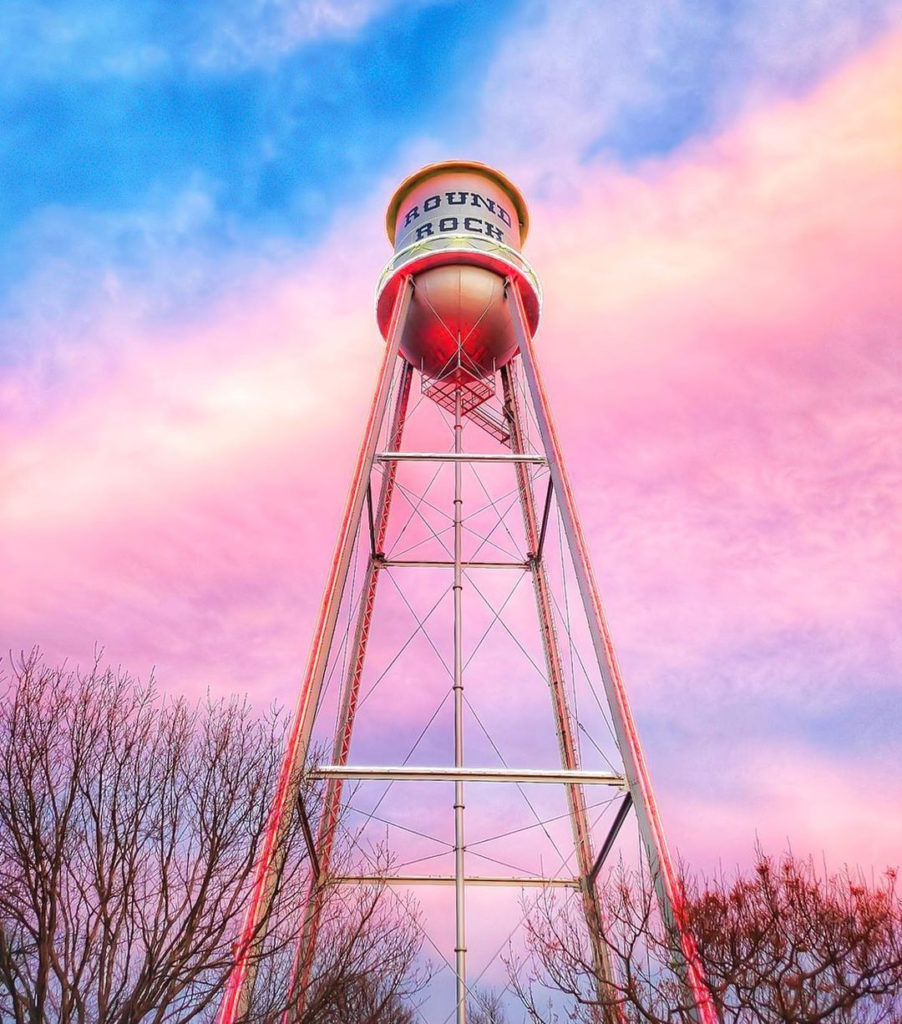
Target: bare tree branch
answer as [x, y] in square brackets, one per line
[129, 828]
[786, 944]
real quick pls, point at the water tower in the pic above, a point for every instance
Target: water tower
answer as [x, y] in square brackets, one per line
[472, 457]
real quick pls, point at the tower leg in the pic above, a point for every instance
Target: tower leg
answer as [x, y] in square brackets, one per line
[325, 841]
[563, 722]
[239, 986]
[667, 886]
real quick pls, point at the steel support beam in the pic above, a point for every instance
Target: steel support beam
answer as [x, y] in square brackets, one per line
[239, 986]
[316, 869]
[479, 457]
[606, 847]
[378, 526]
[667, 885]
[460, 910]
[410, 773]
[579, 818]
[496, 881]
[413, 563]
[540, 547]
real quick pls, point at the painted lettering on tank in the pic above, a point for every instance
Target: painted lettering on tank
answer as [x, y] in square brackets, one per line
[433, 202]
[475, 225]
[416, 216]
[479, 200]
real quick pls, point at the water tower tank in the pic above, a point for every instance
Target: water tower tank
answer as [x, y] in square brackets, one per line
[457, 227]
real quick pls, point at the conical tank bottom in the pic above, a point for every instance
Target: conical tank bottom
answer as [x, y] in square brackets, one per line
[458, 319]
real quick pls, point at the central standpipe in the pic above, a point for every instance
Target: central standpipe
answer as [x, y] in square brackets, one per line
[460, 928]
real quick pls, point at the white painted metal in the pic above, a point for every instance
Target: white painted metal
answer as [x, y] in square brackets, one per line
[493, 881]
[413, 563]
[661, 868]
[460, 910]
[563, 718]
[537, 460]
[410, 773]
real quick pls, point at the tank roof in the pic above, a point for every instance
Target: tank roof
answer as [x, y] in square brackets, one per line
[473, 166]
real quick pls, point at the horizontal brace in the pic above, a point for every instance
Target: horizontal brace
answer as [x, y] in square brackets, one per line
[407, 773]
[484, 880]
[538, 460]
[392, 563]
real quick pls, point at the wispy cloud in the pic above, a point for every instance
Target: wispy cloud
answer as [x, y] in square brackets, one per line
[582, 82]
[736, 312]
[720, 342]
[720, 338]
[101, 39]
[103, 167]
[797, 798]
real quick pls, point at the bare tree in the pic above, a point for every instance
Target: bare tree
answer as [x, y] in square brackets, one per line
[359, 981]
[129, 827]
[486, 1007]
[795, 945]
[366, 968]
[786, 944]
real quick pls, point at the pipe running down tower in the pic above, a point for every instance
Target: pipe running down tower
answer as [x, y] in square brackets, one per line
[459, 592]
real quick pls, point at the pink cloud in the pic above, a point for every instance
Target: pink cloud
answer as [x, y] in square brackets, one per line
[731, 373]
[170, 475]
[720, 341]
[730, 409]
[798, 799]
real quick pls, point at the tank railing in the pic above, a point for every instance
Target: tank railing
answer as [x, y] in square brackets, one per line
[498, 251]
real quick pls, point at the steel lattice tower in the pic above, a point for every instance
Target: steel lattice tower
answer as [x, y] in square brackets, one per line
[460, 483]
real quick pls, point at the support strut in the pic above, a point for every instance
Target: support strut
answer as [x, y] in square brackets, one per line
[460, 944]
[667, 886]
[239, 987]
[378, 526]
[535, 538]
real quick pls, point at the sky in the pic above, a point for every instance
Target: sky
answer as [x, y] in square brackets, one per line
[191, 228]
